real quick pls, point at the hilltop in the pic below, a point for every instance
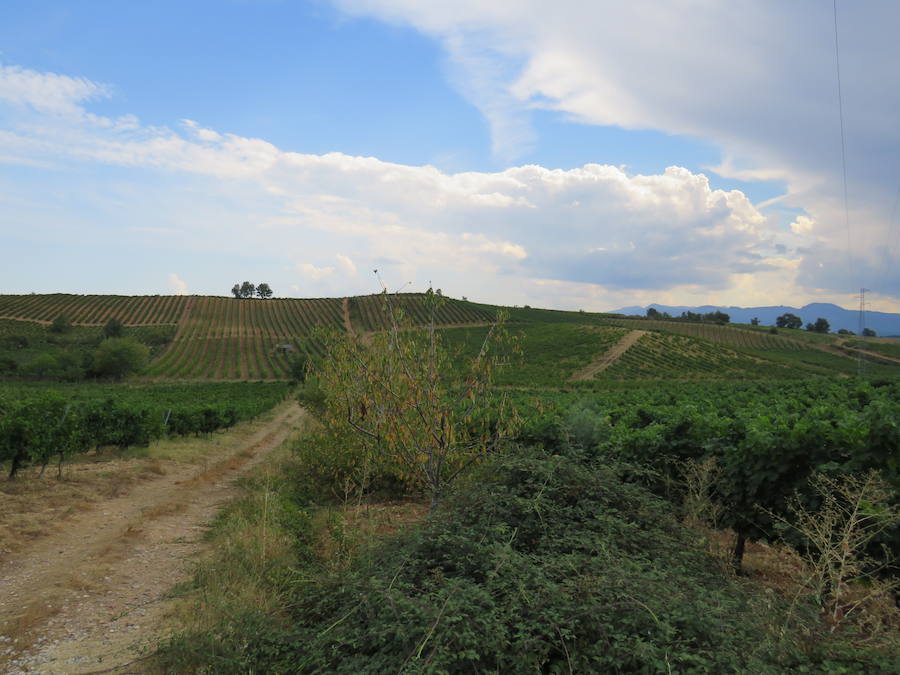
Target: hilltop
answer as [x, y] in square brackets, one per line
[217, 338]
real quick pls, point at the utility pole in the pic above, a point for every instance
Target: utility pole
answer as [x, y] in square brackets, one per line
[860, 363]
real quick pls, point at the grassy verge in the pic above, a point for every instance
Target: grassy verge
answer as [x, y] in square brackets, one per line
[36, 505]
[235, 611]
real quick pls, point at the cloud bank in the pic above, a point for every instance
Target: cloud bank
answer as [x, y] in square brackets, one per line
[594, 237]
[758, 80]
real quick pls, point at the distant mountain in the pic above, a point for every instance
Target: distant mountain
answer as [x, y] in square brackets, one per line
[883, 323]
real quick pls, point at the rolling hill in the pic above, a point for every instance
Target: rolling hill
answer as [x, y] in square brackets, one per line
[217, 338]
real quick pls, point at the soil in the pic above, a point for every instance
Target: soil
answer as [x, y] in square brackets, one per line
[345, 308]
[92, 596]
[609, 357]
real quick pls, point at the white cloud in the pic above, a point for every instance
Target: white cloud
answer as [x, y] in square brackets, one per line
[803, 225]
[755, 79]
[314, 273]
[177, 285]
[594, 227]
[47, 92]
[346, 265]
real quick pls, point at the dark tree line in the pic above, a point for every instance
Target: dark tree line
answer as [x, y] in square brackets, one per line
[709, 317]
[248, 290]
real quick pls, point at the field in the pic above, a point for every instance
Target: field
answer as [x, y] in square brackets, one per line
[616, 472]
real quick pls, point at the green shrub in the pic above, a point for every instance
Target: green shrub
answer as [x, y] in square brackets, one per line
[546, 564]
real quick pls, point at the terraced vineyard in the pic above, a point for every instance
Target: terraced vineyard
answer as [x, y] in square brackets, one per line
[219, 338]
[550, 353]
[662, 356]
[369, 312]
[226, 339]
[95, 310]
[726, 335]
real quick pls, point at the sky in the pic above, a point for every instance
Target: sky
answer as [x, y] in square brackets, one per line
[575, 154]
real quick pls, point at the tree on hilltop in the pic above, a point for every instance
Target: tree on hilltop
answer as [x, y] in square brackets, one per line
[789, 320]
[248, 290]
[820, 326]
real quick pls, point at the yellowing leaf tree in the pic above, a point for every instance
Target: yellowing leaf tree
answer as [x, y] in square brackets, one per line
[397, 404]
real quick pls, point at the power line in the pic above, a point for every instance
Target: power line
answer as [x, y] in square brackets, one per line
[837, 63]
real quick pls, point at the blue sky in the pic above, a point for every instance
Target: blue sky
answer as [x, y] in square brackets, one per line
[570, 156]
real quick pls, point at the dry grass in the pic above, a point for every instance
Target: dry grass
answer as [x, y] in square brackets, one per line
[341, 532]
[34, 506]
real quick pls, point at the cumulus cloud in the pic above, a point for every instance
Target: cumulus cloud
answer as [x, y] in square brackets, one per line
[591, 232]
[314, 273]
[177, 286]
[346, 265]
[755, 79]
[47, 92]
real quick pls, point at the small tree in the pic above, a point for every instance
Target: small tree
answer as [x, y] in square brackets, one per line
[61, 324]
[789, 320]
[247, 290]
[868, 332]
[754, 321]
[264, 291]
[119, 357]
[236, 291]
[821, 325]
[113, 328]
[404, 409]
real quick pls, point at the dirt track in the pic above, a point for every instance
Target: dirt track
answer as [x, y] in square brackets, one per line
[90, 598]
[609, 357]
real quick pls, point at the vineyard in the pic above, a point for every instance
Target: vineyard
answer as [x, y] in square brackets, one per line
[37, 422]
[225, 339]
[373, 313]
[661, 356]
[726, 335]
[204, 338]
[95, 310]
[550, 353]
[767, 437]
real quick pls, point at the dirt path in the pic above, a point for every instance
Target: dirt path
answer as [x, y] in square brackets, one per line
[91, 597]
[348, 325]
[853, 351]
[609, 357]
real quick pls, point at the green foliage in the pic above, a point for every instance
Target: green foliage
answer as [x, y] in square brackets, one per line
[60, 324]
[545, 564]
[820, 326]
[548, 353]
[789, 320]
[113, 328]
[766, 439]
[61, 367]
[119, 357]
[393, 408]
[37, 422]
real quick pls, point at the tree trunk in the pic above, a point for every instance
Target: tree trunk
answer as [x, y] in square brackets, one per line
[16, 463]
[737, 554]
